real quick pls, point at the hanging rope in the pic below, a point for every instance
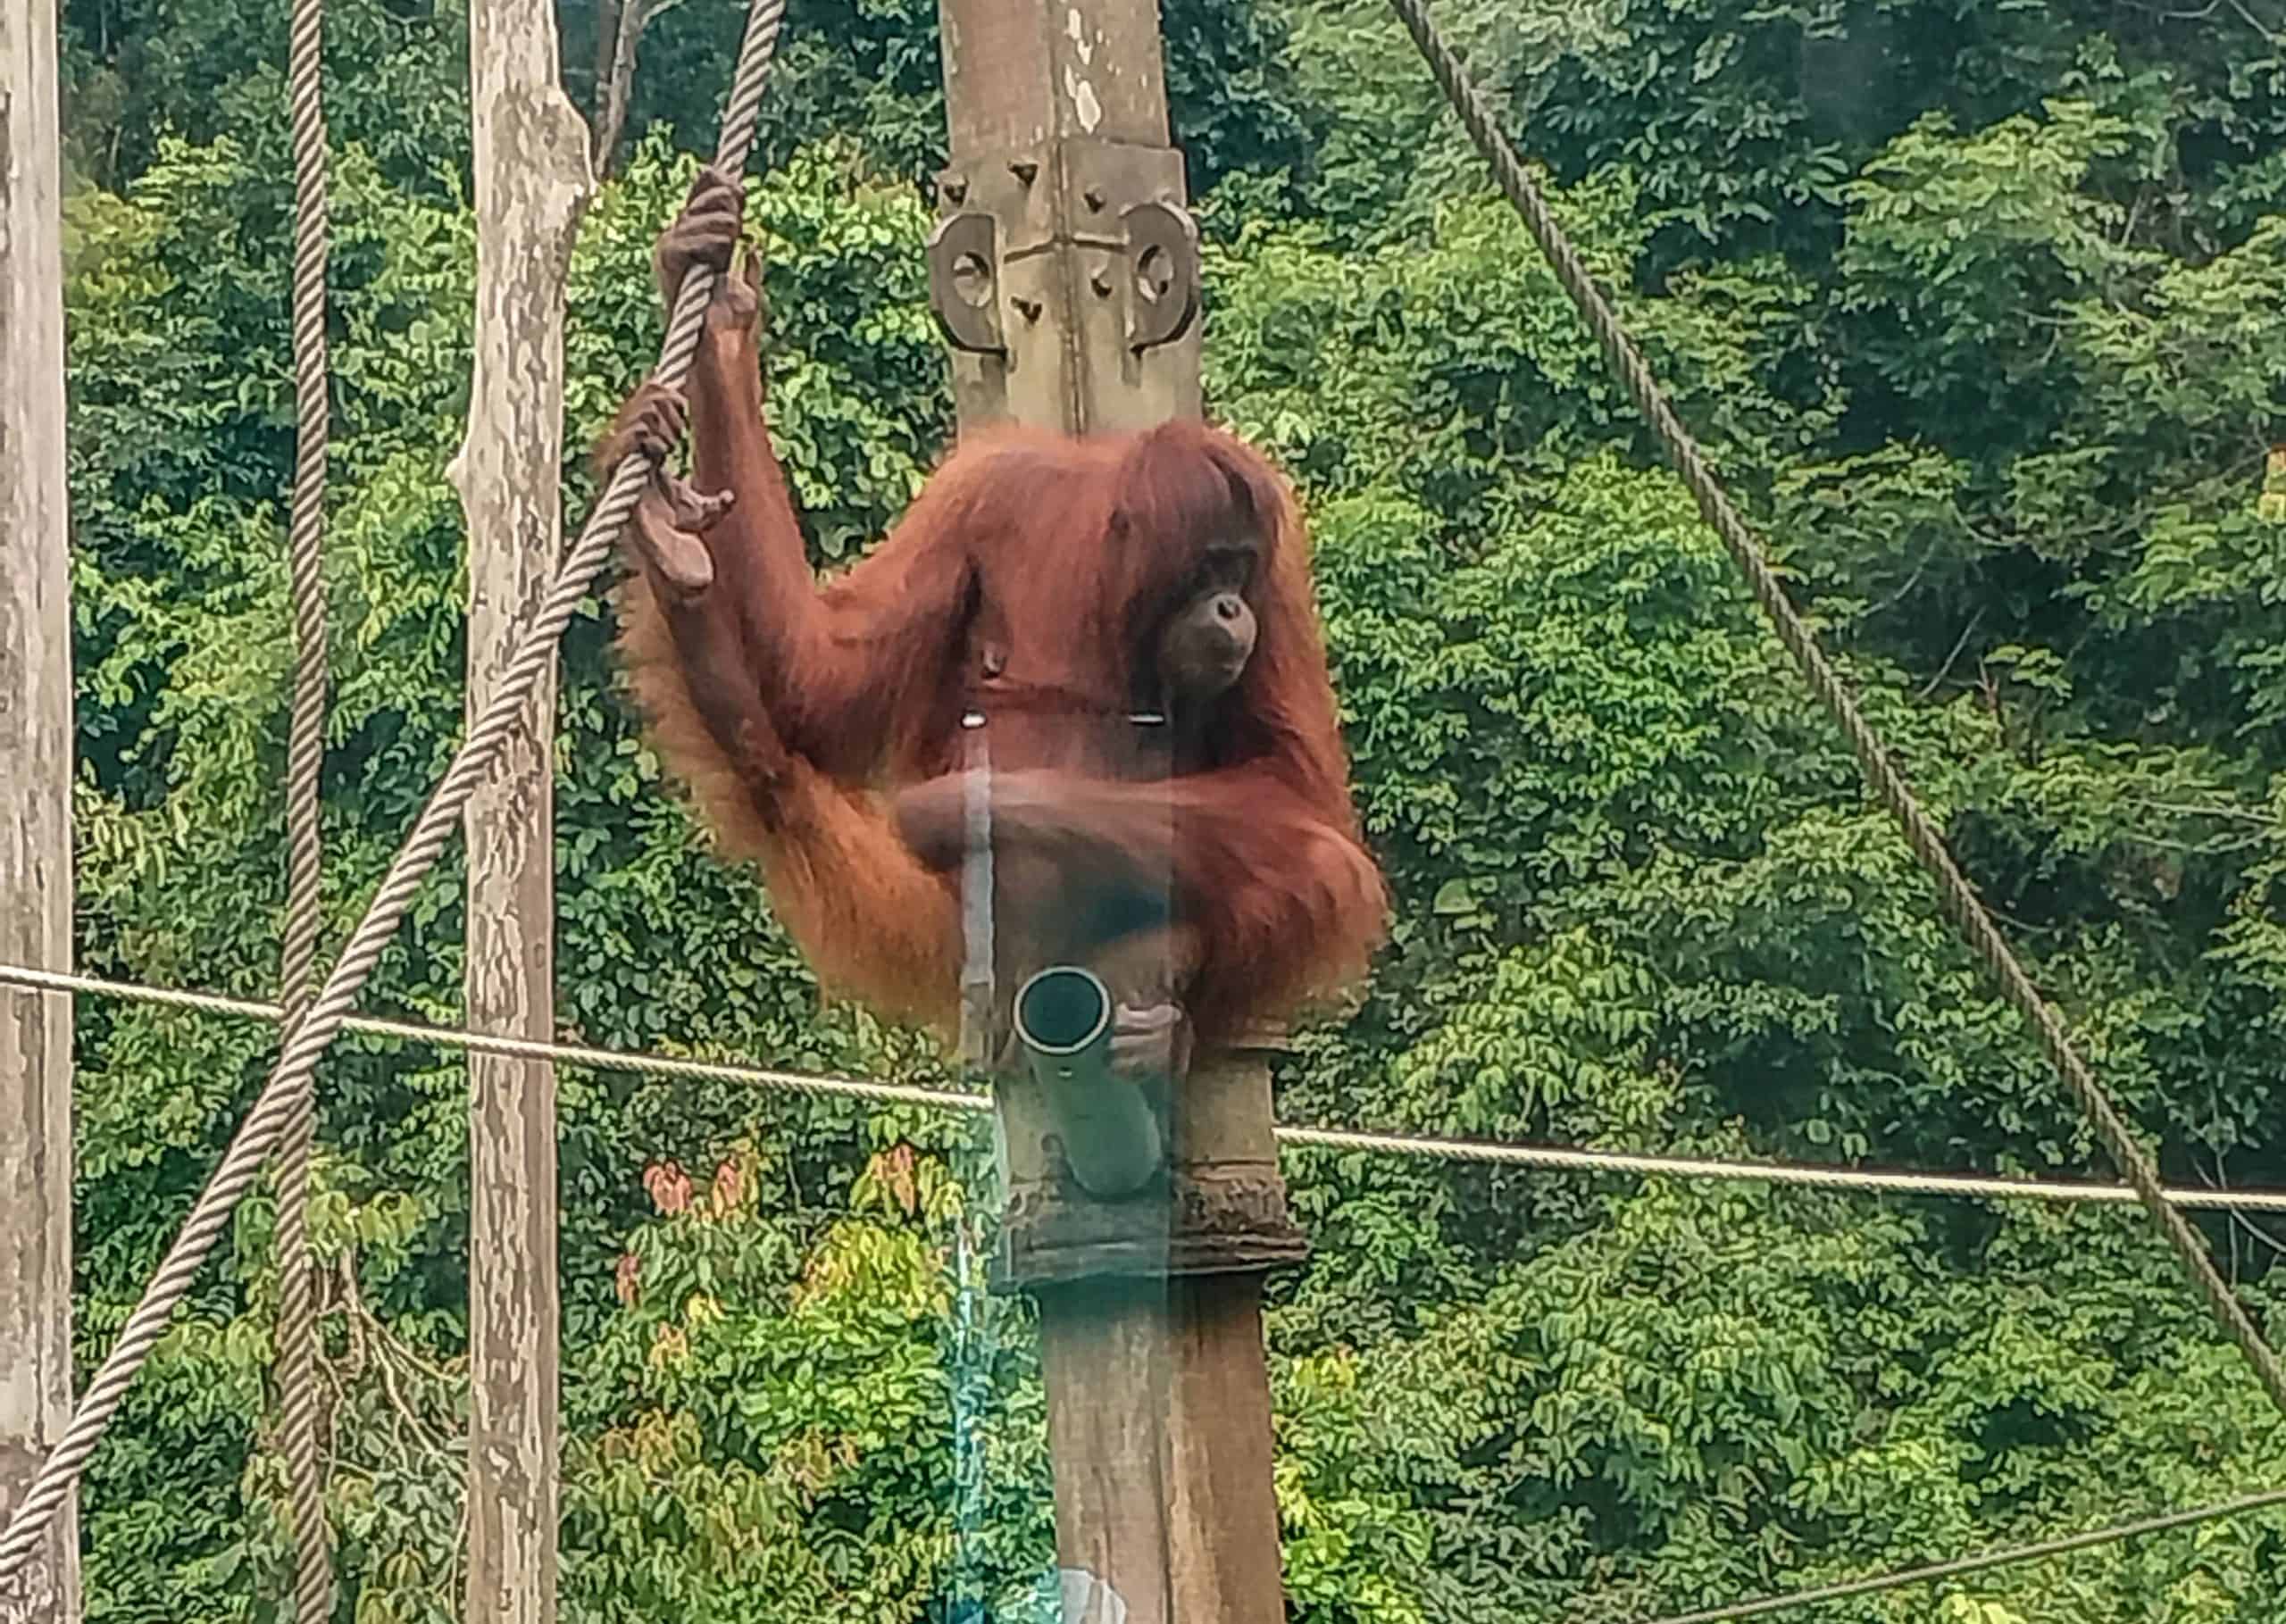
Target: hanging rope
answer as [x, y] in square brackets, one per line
[306, 1042]
[1954, 892]
[297, 1319]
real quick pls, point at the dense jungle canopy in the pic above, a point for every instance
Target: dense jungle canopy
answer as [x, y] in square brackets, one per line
[1979, 305]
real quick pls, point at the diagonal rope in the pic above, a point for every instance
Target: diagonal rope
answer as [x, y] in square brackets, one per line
[1983, 1562]
[306, 1044]
[298, 1322]
[1482, 1152]
[1955, 893]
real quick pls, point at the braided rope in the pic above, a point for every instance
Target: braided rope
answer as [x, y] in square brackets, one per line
[1954, 892]
[297, 1319]
[306, 1044]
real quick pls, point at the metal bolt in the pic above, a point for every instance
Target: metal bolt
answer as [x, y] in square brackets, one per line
[1029, 309]
[1094, 196]
[1101, 283]
[972, 278]
[1025, 171]
[1154, 273]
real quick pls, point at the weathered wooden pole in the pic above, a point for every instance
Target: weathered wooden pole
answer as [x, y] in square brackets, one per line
[1065, 272]
[532, 182]
[35, 806]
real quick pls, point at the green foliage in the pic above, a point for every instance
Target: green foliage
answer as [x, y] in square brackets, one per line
[774, 1430]
[1976, 307]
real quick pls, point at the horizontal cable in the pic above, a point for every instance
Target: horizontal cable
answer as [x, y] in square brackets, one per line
[1772, 1172]
[514, 1048]
[1434, 1148]
[1964, 1566]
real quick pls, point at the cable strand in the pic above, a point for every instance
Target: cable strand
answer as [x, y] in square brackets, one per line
[1962, 1567]
[1429, 1147]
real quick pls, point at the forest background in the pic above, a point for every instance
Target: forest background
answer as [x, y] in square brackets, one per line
[1981, 305]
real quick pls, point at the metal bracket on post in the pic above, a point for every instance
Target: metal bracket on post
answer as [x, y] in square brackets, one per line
[1162, 282]
[1097, 229]
[1135, 249]
[964, 281]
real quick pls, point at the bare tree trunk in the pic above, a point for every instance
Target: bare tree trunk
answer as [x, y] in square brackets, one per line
[35, 807]
[607, 18]
[532, 183]
[616, 87]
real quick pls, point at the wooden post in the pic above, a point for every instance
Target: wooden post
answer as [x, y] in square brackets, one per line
[533, 180]
[35, 806]
[1062, 184]
[1158, 1387]
[1063, 270]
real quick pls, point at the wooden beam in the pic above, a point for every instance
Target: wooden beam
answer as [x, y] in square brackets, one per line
[35, 806]
[533, 180]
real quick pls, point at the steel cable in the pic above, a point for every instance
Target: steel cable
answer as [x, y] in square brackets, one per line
[1482, 1152]
[1983, 1562]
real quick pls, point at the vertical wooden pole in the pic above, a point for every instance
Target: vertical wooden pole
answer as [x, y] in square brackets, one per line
[1065, 272]
[35, 805]
[1058, 120]
[532, 182]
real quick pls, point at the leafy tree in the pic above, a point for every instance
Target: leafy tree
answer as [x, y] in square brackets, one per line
[1975, 306]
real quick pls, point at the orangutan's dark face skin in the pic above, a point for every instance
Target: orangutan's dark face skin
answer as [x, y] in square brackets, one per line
[1205, 644]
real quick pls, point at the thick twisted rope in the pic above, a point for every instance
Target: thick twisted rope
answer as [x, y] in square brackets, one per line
[306, 1044]
[297, 1319]
[1954, 892]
